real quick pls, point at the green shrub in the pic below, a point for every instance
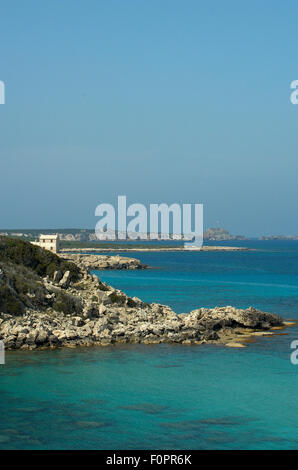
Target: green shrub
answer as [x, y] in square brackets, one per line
[102, 287]
[117, 299]
[41, 261]
[67, 304]
[131, 303]
[22, 285]
[9, 303]
[51, 268]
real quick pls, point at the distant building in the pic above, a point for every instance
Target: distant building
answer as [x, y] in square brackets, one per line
[49, 242]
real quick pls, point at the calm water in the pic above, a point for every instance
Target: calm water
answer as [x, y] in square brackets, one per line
[166, 396]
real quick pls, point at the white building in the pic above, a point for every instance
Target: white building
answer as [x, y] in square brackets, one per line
[49, 242]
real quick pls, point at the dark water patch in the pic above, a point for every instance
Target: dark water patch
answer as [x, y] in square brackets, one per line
[191, 425]
[174, 414]
[93, 404]
[9, 373]
[256, 437]
[203, 424]
[25, 437]
[32, 443]
[4, 438]
[187, 436]
[10, 431]
[91, 424]
[67, 412]
[47, 422]
[227, 421]
[91, 401]
[65, 372]
[30, 410]
[272, 439]
[149, 408]
[219, 437]
[166, 366]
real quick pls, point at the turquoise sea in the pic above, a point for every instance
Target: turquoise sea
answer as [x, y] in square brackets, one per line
[168, 396]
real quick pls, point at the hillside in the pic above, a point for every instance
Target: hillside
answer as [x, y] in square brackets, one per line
[22, 267]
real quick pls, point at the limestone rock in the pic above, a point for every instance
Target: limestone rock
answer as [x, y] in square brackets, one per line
[101, 262]
[65, 280]
[57, 276]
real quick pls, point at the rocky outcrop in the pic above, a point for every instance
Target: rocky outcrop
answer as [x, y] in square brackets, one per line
[49, 302]
[98, 314]
[64, 282]
[100, 262]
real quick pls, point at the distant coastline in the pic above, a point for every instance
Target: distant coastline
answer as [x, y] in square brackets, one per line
[153, 248]
[74, 237]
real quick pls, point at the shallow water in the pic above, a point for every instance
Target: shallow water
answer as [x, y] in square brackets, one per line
[168, 396]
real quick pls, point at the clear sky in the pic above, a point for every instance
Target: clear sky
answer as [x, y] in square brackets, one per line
[159, 100]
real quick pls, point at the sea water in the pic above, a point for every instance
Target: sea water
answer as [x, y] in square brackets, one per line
[168, 396]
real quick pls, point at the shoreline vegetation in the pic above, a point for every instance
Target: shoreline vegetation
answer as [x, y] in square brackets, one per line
[50, 301]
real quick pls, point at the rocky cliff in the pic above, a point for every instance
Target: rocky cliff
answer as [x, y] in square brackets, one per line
[69, 307]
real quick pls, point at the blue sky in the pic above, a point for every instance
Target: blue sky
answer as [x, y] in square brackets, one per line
[162, 101]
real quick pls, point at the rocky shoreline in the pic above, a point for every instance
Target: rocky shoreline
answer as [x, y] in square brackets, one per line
[103, 316]
[101, 262]
[50, 301]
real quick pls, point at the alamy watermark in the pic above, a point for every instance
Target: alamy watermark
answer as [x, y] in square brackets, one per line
[294, 354]
[2, 92]
[294, 94]
[163, 222]
[2, 353]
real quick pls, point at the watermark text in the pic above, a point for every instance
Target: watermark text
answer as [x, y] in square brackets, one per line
[2, 92]
[2, 353]
[294, 94]
[164, 222]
